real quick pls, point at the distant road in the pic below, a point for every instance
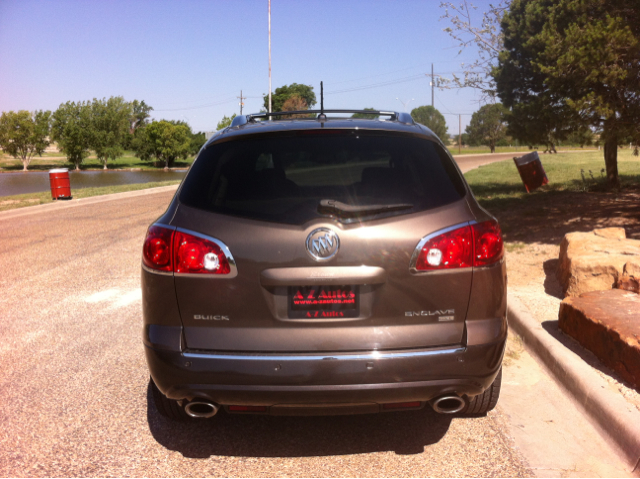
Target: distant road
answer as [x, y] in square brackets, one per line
[469, 162]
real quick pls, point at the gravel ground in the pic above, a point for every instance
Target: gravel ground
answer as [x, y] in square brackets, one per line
[74, 383]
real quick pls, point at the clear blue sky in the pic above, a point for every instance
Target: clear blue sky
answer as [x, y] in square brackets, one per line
[189, 59]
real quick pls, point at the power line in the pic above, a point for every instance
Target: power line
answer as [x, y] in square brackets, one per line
[377, 85]
[449, 111]
[344, 90]
[199, 100]
[201, 106]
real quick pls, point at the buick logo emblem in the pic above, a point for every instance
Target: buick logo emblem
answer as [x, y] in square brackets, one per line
[322, 244]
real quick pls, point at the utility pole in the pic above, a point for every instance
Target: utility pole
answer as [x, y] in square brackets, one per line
[242, 98]
[459, 133]
[269, 56]
[433, 83]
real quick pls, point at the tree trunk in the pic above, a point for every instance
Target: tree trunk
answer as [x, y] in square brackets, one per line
[492, 146]
[611, 157]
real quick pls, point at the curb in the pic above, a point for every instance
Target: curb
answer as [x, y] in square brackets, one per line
[65, 204]
[608, 410]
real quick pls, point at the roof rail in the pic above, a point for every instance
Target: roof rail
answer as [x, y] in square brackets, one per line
[393, 115]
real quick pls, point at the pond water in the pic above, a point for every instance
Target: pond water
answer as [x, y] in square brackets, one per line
[35, 181]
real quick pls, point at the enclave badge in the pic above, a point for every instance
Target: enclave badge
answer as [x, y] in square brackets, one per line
[322, 244]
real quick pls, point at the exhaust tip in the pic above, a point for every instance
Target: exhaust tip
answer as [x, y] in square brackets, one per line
[448, 404]
[201, 409]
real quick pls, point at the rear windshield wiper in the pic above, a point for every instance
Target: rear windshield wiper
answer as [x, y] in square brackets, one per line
[344, 210]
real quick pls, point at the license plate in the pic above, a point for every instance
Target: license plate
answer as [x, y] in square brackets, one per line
[323, 301]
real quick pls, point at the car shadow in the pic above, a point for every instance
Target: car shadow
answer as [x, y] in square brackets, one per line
[405, 432]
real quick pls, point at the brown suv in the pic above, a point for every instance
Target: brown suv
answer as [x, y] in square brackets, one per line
[324, 265]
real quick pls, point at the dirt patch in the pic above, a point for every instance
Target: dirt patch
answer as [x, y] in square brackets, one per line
[533, 232]
[545, 219]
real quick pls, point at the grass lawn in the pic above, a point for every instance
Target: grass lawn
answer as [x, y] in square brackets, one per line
[476, 150]
[32, 199]
[58, 160]
[567, 203]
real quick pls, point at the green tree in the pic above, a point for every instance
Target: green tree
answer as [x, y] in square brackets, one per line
[140, 114]
[581, 136]
[24, 135]
[432, 119]
[539, 115]
[164, 141]
[109, 127]
[197, 141]
[365, 115]
[488, 126]
[71, 129]
[225, 122]
[585, 53]
[283, 93]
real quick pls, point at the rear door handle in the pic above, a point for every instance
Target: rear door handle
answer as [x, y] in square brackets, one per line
[341, 275]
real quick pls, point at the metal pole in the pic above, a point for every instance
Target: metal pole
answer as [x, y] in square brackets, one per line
[459, 134]
[433, 83]
[269, 56]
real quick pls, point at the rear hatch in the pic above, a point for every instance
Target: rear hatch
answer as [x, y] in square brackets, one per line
[322, 225]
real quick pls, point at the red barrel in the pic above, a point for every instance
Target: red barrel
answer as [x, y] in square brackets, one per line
[60, 184]
[531, 171]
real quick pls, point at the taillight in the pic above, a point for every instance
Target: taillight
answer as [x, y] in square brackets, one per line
[453, 249]
[196, 255]
[156, 252]
[488, 245]
[167, 249]
[475, 245]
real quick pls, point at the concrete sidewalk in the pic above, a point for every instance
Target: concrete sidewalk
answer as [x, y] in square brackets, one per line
[603, 405]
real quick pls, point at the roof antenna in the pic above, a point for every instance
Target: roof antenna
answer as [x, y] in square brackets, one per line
[322, 116]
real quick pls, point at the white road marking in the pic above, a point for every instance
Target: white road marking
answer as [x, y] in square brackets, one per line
[116, 297]
[102, 295]
[128, 298]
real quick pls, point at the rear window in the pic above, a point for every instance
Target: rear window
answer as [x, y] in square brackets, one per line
[349, 175]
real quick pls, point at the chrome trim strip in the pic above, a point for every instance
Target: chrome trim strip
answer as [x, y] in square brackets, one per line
[421, 243]
[373, 355]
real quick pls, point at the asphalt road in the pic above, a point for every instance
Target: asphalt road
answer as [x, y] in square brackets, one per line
[74, 384]
[75, 401]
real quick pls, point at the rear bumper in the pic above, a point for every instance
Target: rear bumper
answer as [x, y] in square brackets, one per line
[321, 378]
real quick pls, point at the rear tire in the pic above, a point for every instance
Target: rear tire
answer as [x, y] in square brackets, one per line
[485, 402]
[168, 408]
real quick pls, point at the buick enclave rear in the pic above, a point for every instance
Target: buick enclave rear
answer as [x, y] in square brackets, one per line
[324, 265]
